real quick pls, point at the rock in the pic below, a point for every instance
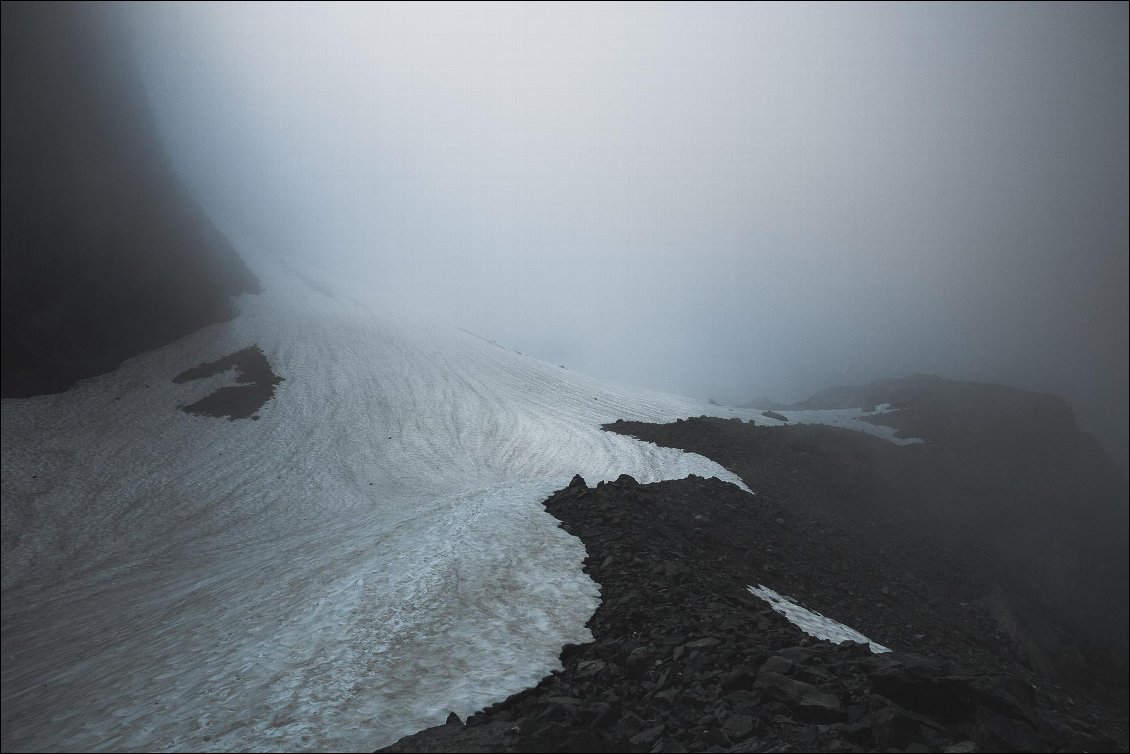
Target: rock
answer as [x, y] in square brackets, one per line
[604, 716]
[778, 664]
[807, 701]
[577, 481]
[568, 703]
[895, 728]
[779, 686]
[715, 737]
[640, 659]
[558, 737]
[742, 703]
[922, 685]
[675, 571]
[996, 732]
[820, 707]
[961, 747]
[858, 733]
[855, 712]
[738, 727]
[649, 736]
[699, 694]
[589, 668]
[668, 746]
[709, 641]
[853, 649]
[738, 679]
[489, 737]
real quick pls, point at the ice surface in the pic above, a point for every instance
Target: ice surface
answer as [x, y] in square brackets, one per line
[813, 624]
[367, 557]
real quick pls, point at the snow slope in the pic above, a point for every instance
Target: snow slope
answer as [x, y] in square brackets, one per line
[367, 557]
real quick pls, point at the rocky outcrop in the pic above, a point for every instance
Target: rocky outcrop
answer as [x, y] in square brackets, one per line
[104, 254]
[685, 659]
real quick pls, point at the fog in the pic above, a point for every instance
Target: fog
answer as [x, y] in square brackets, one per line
[726, 201]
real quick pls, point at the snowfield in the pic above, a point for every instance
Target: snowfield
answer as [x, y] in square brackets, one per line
[368, 556]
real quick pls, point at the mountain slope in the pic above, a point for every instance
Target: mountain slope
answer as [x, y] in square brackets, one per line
[1010, 470]
[104, 254]
[361, 555]
[1004, 480]
[364, 557]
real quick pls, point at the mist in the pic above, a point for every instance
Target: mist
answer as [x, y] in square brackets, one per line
[725, 201]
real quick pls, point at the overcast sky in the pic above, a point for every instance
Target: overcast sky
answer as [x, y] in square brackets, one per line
[727, 201]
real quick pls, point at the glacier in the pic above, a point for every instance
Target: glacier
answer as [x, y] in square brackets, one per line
[369, 556]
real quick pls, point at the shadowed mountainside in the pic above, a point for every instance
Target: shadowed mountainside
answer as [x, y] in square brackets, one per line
[1004, 473]
[105, 255]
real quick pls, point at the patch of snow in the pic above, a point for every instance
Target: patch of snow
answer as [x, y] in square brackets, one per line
[847, 418]
[813, 624]
[368, 556]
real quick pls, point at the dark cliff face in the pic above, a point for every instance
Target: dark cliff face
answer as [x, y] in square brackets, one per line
[104, 253]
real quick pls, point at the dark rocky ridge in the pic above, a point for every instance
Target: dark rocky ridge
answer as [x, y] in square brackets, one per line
[104, 254]
[1005, 473]
[685, 659]
[1046, 528]
[969, 413]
